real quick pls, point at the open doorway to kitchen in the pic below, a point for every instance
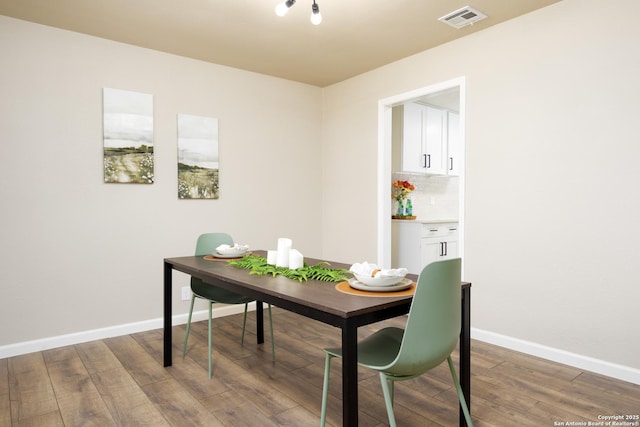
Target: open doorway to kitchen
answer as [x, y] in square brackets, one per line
[439, 191]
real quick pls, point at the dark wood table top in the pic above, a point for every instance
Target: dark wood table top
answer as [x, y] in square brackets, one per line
[321, 296]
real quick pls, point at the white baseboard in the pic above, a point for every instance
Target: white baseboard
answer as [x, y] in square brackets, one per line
[579, 361]
[114, 331]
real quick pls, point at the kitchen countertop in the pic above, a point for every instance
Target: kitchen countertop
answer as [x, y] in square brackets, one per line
[427, 220]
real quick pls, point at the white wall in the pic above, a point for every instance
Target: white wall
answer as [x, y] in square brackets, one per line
[77, 254]
[551, 230]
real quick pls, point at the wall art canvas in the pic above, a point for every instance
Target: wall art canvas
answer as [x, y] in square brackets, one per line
[128, 137]
[198, 162]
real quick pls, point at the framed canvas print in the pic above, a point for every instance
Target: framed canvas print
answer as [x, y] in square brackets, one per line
[198, 163]
[128, 137]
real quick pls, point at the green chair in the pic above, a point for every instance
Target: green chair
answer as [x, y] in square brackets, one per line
[430, 335]
[206, 245]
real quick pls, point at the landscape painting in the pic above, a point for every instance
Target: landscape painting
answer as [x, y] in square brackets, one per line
[128, 137]
[198, 162]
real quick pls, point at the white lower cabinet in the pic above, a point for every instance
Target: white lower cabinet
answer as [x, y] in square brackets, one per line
[416, 244]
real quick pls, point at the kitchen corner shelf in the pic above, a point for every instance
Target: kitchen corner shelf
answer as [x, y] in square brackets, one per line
[402, 217]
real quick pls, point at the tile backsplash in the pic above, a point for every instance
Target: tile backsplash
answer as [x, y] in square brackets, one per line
[435, 197]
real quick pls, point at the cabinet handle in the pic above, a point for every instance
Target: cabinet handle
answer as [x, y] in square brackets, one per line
[450, 163]
[443, 248]
[424, 160]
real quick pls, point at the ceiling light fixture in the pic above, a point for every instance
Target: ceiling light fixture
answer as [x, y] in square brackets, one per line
[316, 16]
[283, 8]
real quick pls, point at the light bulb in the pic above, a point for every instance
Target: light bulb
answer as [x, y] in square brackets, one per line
[316, 16]
[281, 9]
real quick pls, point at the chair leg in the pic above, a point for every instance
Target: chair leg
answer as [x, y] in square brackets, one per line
[325, 389]
[387, 390]
[273, 344]
[210, 343]
[186, 335]
[244, 323]
[463, 401]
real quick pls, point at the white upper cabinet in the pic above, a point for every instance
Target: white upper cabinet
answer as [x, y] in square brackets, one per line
[453, 143]
[435, 143]
[412, 131]
[425, 140]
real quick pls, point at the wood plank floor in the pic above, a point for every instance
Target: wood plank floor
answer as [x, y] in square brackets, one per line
[121, 382]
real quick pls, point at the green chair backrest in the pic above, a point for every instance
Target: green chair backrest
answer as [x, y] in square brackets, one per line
[433, 326]
[207, 243]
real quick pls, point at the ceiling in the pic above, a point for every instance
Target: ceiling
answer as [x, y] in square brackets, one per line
[355, 36]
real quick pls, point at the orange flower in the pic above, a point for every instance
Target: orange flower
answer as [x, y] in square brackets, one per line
[401, 189]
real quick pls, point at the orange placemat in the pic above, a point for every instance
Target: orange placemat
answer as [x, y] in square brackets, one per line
[212, 258]
[345, 288]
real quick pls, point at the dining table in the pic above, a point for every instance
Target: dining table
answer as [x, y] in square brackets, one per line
[317, 300]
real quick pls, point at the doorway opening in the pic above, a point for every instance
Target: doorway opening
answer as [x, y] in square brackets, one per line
[452, 93]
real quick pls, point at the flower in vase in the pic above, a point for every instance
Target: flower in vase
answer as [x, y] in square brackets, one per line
[400, 190]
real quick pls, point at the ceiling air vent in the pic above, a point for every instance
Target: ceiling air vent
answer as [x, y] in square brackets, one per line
[462, 17]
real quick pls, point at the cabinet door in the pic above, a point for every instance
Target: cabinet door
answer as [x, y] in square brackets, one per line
[438, 249]
[412, 153]
[453, 144]
[430, 251]
[450, 249]
[434, 150]
[424, 139]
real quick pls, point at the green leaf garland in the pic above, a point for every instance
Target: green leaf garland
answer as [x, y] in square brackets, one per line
[321, 271]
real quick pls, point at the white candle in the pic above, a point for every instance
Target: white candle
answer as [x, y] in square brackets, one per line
[296, 260]
[272, 257]
[284, 246]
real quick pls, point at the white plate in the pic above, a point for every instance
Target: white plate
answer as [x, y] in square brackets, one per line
[234, 255]
[378, 281]
[404, 284]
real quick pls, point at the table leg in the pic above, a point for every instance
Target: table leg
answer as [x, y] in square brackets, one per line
[349, 374]
[465, 352]
[167, 313]
[259, 322]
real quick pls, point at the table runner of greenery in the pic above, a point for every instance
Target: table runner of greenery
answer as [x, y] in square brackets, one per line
[321, 271]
